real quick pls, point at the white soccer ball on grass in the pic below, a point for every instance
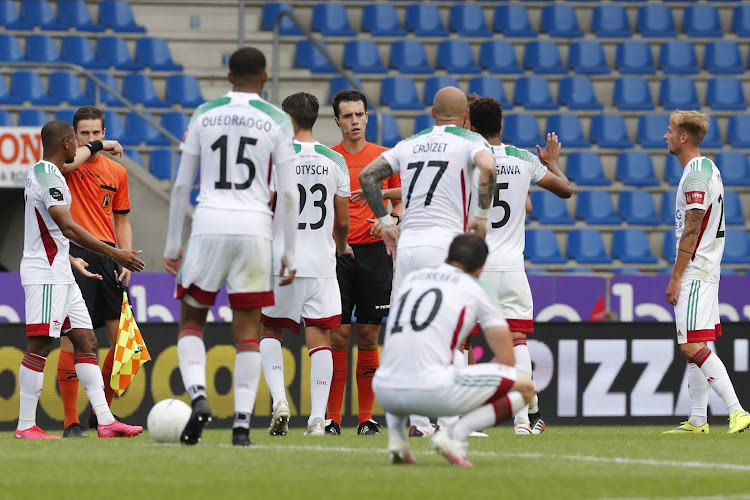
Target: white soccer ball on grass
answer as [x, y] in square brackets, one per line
[167, 419]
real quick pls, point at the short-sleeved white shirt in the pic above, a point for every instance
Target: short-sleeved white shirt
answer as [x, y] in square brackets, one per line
[321, 174]
[433, 311]
[237, 137]
[45, 248]
[701, 187]
[436, 167]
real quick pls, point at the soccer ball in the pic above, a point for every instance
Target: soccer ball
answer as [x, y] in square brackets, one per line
[167, 419]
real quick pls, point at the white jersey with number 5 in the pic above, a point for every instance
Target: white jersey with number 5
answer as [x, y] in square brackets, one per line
[701, 187]
[506, 237]
[321, 175]
[437, 167]
[432, 313]
[237, 137]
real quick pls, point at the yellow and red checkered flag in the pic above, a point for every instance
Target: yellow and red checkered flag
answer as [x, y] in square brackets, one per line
[130, 351]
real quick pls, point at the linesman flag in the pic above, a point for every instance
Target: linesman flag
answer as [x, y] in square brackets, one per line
[130, 351]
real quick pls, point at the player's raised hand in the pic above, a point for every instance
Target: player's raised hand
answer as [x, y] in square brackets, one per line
[128, 259]
[551, 151]
[112, 147]
[80, 265]
[478, 226]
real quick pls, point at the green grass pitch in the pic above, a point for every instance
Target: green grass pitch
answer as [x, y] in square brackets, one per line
[563, 463]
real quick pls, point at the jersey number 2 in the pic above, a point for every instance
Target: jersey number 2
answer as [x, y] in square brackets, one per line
[221, 144]
[321, 204]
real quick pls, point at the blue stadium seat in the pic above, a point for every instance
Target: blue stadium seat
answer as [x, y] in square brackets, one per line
[734, 167]
[154, 53]
[737, 247]
[399, 92]
[560, 21]
[118, 15]
[578, 270]
[728, 271]
[391, 134]
[569, 130]
[725, 93]
[549, 209]
[77, 49]
[667, 206]
[577, 93]
[596, 207]
[610, 21]
[737, 128]
[624, 270]
[669, 246]
[194, 196]
[677, 57]
[651, 129]
[338, 84]
[587, 247]
[41, 49]
[635, 168]
[634, 57]
[585, 169]
[135, 156]
[28, 86]
[702, 20]
[66, 87]
[381, 19]
[104, 96]
[362, 56]
[139, 88]
[75, 13]
[722, 57]
[632, 93]
[499, 56]
[655, 21]
[631, 247]
[609, 131]
[468, 21]
[741, 20]
[543, 57]
[586, 57]
[522, 130]
[9, 17]
[184, 89]
[112, 51]
[331, 19]
[424, 19]
[489, 86]
[533, 92]
[5, 119]
[637, 208]
[176, 123]
[268, 18]
[160, 163]
[733, 214]
[423, 121]
[542, 248]
[513, 21]
[306, 55]
[678, 92]
[139, 130]
[5, 96]
[409, 56]
[32, 118]
[116, 128]
[456, 56]
[65, 115]
[39, 13]
[672, 170]
[435, 83]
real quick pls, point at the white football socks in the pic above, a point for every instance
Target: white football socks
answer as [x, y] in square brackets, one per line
[88, 372]
[246, 380]
[191, 352]
[272, 359]
[698, 390]
[30, 382]
[321, 373]
[718, 379]
[523, 363]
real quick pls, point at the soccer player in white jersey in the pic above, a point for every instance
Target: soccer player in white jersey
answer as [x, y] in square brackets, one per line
[54, 305]
[234, 139]
[504, 269]
[694, 285]
[435, 309]
[314, 296]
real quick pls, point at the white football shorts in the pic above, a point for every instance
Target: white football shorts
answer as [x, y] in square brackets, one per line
[316, 300]
[514, 294]
[697, 311]
[54, 309]
[412, 259]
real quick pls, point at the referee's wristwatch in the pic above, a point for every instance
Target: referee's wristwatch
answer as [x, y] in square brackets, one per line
[397, 217]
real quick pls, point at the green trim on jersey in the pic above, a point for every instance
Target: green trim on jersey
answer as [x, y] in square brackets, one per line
[297, 148]
[333, 156]
[425, 131]
[208, 106]
[45, 175]
[700, 172]
[521, 154]
[281, 118]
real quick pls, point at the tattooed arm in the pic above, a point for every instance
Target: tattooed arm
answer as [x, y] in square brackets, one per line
[486, 190]
[688, 242]
[370, 180]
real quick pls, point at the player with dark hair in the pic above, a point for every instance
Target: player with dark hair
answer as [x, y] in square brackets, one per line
[54, 305]
[365, 279]
[314, 296]
[233, 140]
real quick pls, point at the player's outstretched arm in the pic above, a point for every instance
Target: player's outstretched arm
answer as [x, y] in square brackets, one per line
[79, 265]
[370, 179]
[287, 205]
[83, 153]
[685, 249]
[126, 258]
[500, 340]
[555, 180]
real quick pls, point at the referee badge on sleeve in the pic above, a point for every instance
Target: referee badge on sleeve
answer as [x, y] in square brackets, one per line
[106, 200]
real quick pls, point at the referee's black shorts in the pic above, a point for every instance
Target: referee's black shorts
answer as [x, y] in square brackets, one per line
[365, 283]
[103, 297]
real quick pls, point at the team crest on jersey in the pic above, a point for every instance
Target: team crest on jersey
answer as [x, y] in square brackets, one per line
[106, 200]
[56, 194]
[694, 197]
